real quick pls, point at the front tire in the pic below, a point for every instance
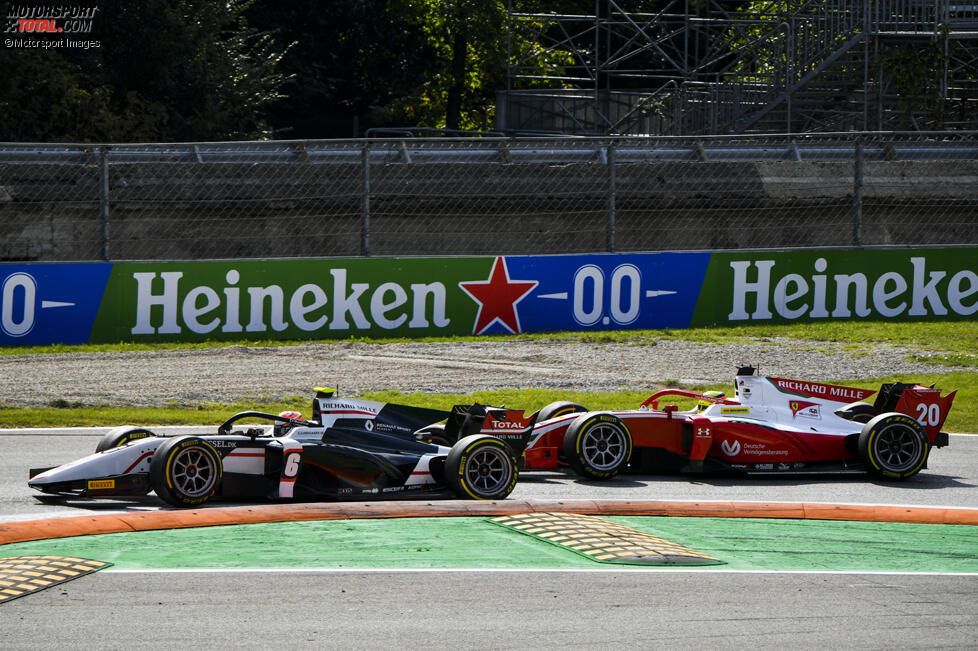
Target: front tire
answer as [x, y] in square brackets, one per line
[481, 468]
[185, 471]
[555, 410]
[598, 446]
[119, 436]
[559, 408]
[857, 412]
[434, 434]
[894, 446]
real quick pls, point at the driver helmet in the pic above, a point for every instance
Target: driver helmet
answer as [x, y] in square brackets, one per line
[701, 405]
[281, 429]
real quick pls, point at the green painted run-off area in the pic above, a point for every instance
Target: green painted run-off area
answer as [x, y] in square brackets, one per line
[476, 543]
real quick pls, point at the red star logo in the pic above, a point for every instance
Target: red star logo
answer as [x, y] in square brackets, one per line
[497, 298]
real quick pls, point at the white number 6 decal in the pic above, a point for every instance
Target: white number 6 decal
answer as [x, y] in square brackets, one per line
[929, 415]
[291, 465]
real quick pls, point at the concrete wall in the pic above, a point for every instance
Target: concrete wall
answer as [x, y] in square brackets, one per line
[187, 210]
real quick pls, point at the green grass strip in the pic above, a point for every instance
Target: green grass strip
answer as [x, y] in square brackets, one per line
[938, 343]
[962, 418]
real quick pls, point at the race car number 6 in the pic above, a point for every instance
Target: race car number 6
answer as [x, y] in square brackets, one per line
[292, 465]
[929, 415]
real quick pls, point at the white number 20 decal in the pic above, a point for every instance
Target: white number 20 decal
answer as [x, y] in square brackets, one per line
[929, 415]
[291, 465]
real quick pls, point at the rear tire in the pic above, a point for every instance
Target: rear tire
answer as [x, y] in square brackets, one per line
[894, 446]
[481, 468]
[119, 436]
[185, 471]
[598, 446]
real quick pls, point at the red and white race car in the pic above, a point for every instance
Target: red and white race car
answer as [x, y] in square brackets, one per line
[771, 425]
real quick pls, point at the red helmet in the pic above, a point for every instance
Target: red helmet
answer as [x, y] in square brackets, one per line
[281, 429]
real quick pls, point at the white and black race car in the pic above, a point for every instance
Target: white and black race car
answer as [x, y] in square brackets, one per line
[349, 449]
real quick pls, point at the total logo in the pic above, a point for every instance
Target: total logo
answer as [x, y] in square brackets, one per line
[505, 424]
[19, 304]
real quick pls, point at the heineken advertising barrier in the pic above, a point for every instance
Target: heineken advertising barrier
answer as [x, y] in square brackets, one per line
[381, 297]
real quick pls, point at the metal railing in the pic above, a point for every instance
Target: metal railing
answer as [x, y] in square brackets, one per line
[808, 65]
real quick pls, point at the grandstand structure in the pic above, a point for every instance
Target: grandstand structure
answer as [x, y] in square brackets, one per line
[719, 67]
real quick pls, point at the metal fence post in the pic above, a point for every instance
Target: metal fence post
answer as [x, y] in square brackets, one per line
[104, 200]
[611, 198]
[857, 196]
[365, 202]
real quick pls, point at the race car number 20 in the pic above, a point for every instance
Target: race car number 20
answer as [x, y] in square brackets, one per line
[929, 415]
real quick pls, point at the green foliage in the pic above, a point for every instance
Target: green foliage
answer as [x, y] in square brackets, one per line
[185, 70]
[466, 37]
[911, 69]
[387, 63]
[350, 64]
[164, 71]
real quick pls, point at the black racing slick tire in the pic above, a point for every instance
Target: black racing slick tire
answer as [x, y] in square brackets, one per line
[857, 412]
[559, 408]
[598, 446]
[894, 446]
[481, 467]
[555, 410]
[185, 471]
[118, 436]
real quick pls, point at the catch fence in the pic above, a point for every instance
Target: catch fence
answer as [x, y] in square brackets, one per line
[484, 196]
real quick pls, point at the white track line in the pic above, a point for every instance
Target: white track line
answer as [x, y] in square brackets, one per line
[457, 570]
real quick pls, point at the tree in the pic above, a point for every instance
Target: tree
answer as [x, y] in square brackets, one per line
[163, 71]
[469, 40]
[387, 63]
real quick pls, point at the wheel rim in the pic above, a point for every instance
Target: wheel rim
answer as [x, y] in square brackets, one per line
[193, 472]
[604, 447]
[487, 470]
[897, 448]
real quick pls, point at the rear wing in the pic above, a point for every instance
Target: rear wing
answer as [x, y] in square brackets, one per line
[510, 425]
[332, 411]
[922, 403]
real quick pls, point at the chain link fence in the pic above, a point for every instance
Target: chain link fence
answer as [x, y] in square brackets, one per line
[488, 195]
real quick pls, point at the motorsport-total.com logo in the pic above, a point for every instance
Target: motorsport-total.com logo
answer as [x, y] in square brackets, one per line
[50, 26]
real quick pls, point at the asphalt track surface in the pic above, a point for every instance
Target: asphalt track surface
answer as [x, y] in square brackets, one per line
[294, 606]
